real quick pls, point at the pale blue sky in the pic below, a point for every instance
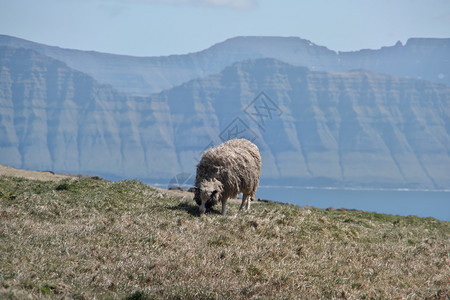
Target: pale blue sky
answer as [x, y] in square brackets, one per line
[164, 27]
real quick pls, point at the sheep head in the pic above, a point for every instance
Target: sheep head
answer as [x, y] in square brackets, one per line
[208, 193]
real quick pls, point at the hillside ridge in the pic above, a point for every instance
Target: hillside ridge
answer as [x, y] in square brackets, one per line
[126, 240]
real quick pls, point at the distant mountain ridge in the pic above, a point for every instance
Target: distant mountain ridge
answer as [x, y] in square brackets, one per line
[419, 58]
[355, 128]
[342, 128]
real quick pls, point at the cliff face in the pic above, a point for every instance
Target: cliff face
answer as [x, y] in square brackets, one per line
[356, 128]
[55, 118]
[427, 59]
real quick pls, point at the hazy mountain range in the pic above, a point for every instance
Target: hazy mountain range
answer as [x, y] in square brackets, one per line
[378, 118]
[419, 58]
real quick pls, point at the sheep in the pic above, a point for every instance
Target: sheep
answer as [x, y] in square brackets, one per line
[225, 171]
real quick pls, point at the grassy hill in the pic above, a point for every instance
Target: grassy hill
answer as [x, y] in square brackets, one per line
[86, 239]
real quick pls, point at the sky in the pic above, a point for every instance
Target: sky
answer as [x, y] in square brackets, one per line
[165, 27]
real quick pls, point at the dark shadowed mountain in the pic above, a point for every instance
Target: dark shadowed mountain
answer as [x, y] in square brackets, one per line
[355, 128]
[426, 58]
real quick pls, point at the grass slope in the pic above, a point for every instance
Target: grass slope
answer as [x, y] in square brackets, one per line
[86, 239]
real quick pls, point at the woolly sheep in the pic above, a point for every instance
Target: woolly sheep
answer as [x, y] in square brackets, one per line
[225, 171]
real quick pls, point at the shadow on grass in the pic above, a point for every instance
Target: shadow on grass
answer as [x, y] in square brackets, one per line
[193, 209]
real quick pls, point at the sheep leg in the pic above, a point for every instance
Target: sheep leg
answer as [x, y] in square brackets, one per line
[202, 208]
[244, 199]
[224, 207]
[249, 199]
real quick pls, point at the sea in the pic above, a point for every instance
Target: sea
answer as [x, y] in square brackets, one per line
[402, 202]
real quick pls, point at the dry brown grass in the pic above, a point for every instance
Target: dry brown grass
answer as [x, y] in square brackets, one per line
[86, 239]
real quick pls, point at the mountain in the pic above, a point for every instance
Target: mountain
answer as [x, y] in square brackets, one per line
[55, 118]
[419, 58]
[350, 128]
[355, 128]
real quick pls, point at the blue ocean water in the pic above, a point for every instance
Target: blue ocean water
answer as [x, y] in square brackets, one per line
[422, 203]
